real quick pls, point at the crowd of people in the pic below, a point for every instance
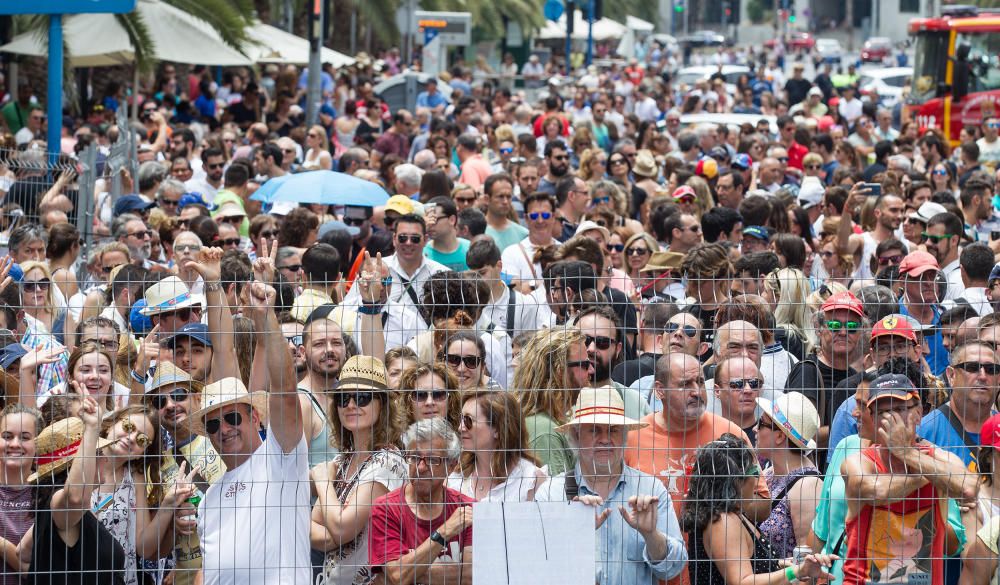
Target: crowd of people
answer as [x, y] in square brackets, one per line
[761, 353]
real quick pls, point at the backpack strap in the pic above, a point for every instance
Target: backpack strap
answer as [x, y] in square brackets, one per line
[511, 306]
[572, 488]
[959, 428]
[788, 487]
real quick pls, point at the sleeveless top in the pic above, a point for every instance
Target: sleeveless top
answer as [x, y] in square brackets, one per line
[902, 542]
[320, 449]
[778, 527]
[95, 559]
[116, 511]
[701, 566]
[519, 485]
[346, 139]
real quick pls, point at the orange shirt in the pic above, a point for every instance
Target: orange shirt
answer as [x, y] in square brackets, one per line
[669, 455]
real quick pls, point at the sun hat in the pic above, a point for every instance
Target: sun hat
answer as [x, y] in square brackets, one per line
[362, 372]
[170, 294]
[586, 226]
[917, 263]
[844, 301]
[663, 261]
[811, 192]
[892, 386]
[645, 164]
[230, 209]
[926, 211]
[600, 406]
[989, 436]
[225, 392]
[57, 445]
[166, 373]
[894, 325]
[795, 415]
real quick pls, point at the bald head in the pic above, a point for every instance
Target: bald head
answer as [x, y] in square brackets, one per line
[967, 331]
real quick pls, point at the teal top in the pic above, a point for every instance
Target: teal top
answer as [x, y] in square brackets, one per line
[320, 449]
[455, 260]
[513, 234]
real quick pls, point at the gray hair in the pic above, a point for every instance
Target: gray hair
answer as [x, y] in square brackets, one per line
[902, 162]
[424, 431]
[170, 186]
[285, 252]
[28, 232]
[409, 175]
[118, 230]
[727, 327]
[151, 173]
[425, 159]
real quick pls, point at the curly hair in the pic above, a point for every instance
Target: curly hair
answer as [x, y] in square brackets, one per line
[296, 227]
[408, 381]
[618, 200]
[540, 378]
[386, 429]
[708, 261]
[714, 485]
[586, 157]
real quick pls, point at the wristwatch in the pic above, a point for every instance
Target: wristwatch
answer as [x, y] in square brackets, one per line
[436, 537]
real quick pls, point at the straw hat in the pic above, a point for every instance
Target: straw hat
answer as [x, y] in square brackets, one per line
[362, 372]
[57, 445]
[225, 392]
[170, 294]
[166, 374]
[795, 415]
[645, 164]
[601, 406]
[663, 261]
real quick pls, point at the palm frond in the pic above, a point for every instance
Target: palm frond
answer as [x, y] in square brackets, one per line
[229, 18]
[142, 42]
[380, 15]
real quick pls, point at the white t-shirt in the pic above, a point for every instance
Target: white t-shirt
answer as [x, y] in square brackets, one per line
[989, 152]
[254, 522]
[517, 262]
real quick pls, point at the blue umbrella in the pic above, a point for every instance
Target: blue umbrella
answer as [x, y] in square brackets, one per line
[326, 187]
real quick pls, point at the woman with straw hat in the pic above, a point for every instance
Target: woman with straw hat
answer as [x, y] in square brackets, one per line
[365, 430]
[786, 433]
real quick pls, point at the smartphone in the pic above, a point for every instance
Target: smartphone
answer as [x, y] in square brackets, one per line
[874, 189]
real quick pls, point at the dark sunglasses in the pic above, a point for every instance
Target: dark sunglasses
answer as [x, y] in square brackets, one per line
[233, 419]
[361, 399]
[689, 330]
[637, 251]
[269, 234]
[535, 215]
[215, 165]
[926, 236]
[33, 285]
[291, 267]
[470, 361]
[228, 242]
[409, 238]
[740, 383]
[990, 368]
[615, 247]
[182, 314]
[582, 364]
[890, 260]
[600, 200]
[355, 221]
[600, 341]
[160, 400]
[422, 395]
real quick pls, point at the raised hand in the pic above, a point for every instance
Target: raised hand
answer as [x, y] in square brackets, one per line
[370, 281]
[148, 349]
[41, 356]
[90, 411]
[182, 488]
[264, 265]
[207, 265]
[643, 515]
[6, 263]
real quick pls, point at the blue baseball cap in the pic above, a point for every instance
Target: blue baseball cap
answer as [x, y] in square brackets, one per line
[128, 203]
[190, 198]
[741, 161]
[994, 274]
[757, 231]
[140, 324]
[194, 331]
[11, 354]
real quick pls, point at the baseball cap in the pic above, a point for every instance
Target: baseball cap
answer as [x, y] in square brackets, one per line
[926, 211]
[683, 192]
[994, 274]
[989, 436]
[845, 301]
[707, 167]
[811, 192]
[757, 231]
[719, 153]
[401, 204]
[917, 263]
[194, 331]
[892, 386]
[816, 91]
[129, 203]
[11, 354]
[334, 224]
[742, 161]
[191, 198]
[139, 323]
[894, 325]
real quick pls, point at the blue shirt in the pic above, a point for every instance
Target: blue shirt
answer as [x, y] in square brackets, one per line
[936, 428]
[644, 386]
[844, 425]
[621, 550]
[938, 357]
[426, 100]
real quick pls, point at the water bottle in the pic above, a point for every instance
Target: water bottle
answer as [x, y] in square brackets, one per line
[799, 555]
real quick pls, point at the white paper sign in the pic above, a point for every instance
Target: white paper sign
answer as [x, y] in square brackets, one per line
[527, 543]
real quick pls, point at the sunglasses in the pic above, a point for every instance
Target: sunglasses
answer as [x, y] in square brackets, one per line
[159, 401]
[636, 251]
[466, 421]
[506, 150]
[688, 330]
[753, 471]
[890, 260]
[142, 235]
[851, 326]
[582, 364]
[761, 424]
[813, 167]
[465, 200]
[169, 202]
[740, 383]
[617, 161]
[684, 199]
[233, 419]
[182, 314]
[615, 247]
[361, 399]
[536, 215]
[939, 172]
[600, 341]
[228, 242]
[141, 439]
[414, 459]
[233, 219]
[215, 166]
[561, 157]
[187, 248]
[33, 285]
[435, 395]
[600, 200]
[990, 368]
[355, 221]
[470, 361]
[926, 236]
[409, 238]
[291, 267]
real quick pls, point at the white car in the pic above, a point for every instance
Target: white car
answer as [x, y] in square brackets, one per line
[689, 75]
[734, 121]
[829, 50]
[887, 82]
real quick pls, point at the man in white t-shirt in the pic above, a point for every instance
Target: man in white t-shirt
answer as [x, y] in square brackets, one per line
[989, 145]
[519, 259]
[254, 522]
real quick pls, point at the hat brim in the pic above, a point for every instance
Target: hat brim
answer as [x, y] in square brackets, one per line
[256, 400]
[613, 420]
[767, 407]
[58, 466]
[918, 270]
[157, 310]
[171, 342]
[875, 399]
[887, 333]
[843, 307]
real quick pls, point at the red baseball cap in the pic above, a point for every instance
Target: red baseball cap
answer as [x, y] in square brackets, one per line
[894, 325]
[917, 263]
[684, 192]
[989, 436]
[846, 301]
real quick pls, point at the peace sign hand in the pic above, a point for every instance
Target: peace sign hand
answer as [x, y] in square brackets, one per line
[264, 265]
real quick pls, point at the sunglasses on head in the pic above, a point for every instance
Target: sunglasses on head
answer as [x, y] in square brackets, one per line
[600, 341]
[740, 383]
[233, 419]
[536, 215]
[159, 401]
[422, 395]
[360, 398]
[990, 368]
[851, 326]
[688, 330]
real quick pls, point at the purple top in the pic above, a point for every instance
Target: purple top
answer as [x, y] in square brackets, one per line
[16, 517]
[778, 527]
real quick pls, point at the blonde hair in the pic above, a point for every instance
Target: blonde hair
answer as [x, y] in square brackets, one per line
[540, 378]
[50, 301]
[586, 157]
[324, 141]
[791, 287]
[703, 199]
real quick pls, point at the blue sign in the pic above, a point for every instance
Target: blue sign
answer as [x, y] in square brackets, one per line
[429, 35]
[69, 7]
[553, 9]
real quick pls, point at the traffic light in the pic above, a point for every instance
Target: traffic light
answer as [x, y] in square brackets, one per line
[791, 16]
[678, 5]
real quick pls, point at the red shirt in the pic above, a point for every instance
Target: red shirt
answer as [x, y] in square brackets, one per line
[395, 530]
[634, 74]
[537, 125]
[796, 152]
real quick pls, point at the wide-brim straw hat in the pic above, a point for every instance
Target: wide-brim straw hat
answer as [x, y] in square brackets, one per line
[362, 372]
[170, 294]
[796, 416]
[57, 446]
[225, 392]
[601, 406]
[167, 374]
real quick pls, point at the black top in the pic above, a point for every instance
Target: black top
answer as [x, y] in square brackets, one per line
[702, 568]
[630, 371]
[95, 559]
[802, 378]
[797, 90]
[625, 310]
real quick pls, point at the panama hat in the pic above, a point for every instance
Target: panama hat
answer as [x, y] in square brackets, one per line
[166, 374]
[362, 372]
[795, 415]
[57, 445]
[170, 294]
[225, 392]
[601, 406]
[663, 261]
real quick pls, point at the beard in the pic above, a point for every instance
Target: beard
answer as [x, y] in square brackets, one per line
[141, 253]
[602, 369]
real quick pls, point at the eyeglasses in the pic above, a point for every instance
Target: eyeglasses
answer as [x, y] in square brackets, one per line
[740, 383]
[142, 235]
[926, 236]
[294, 339]
[470, 361]
[269, 234]
[216, 165]
[536, 215]
[361, 399]
[762, 424]
[168, 202]
[688, 330]
[888, 347]
[182, 248]
[581, 364]
[108, 344]
[414, 459]
[600, 341]
[228, 242]
[141, 439]
[159, 401]
[33, 285]
[890, 260]
[233, 419]
[291, 267]
[466, 421]
[423, 395]
[636, 251]
[409, 238]
[990, 368]
[615, 247]
[600, 200]
[851, 326]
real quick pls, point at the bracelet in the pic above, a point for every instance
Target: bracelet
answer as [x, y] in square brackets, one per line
[213, 286]
[790, 574]
[370, 309]
[138, 378]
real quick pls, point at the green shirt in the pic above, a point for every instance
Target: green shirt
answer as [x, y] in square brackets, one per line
[453, 260]
[512, 234]
[16, 116]
[549, 445]
[224, 195]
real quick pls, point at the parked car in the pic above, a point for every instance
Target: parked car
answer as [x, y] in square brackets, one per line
[887, 82]
[796, 41]
[703, 38]
[732, 73]
[829, 51]
[876, 50]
